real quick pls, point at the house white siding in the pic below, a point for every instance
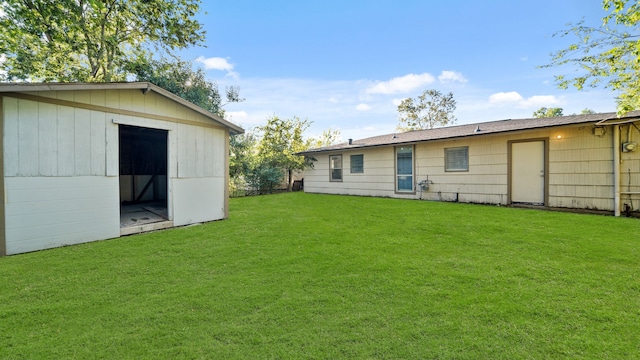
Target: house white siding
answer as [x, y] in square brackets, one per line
[579, 169]
[376, 180]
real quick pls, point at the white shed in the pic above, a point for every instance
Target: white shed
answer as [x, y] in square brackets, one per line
[86, 162]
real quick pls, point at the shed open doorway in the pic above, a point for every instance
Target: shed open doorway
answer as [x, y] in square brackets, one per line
[143, 179]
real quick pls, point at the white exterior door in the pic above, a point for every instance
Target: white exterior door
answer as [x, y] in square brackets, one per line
[527, 172]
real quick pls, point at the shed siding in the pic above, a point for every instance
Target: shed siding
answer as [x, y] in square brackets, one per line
[54, 140]
[198, 199]
[61, 165]
[47, 212]
[580, 172]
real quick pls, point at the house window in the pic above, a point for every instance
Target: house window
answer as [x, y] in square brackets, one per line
[357, 164]
[404, 169]
[335, 167]
[456, 159]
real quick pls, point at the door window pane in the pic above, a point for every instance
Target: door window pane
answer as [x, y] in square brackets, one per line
[404, 168]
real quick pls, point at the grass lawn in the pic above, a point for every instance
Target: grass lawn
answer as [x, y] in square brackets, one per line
[302, 276]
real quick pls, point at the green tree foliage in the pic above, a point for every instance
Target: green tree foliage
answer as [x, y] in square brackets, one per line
[586, 111]
[608, 54]
[179, 78]
[263, 178]
[242, 150]
[429, 110]
[91, 40]
[328, 137]
[544, 112]
[280, 140]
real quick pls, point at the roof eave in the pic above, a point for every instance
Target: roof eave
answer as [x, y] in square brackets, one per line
[409, 142]
[144, 86]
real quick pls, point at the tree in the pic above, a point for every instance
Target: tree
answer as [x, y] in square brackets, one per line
[609, 54]
[587, 111]
[280, 140]
[544, 112]
[328, 137]
[179, 78]
[263, 177]
[429, 110]
[91, 40]
[241, 159]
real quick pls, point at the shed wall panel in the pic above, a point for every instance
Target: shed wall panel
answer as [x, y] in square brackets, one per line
[11, 137]
[198, 200]
[47, 212]
[82, 142]
[47, 140]
[28, 138]
[66, 141]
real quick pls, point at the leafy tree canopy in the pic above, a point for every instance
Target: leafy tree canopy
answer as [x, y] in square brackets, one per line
[608, 54]
[328, 137]
[179, 78]
[544, 112]
[280, 140]
[90, 40]
[429, 110]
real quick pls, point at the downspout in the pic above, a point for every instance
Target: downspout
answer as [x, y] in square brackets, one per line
[616, 170]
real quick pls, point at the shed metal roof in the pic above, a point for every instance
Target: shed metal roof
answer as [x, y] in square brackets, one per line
[476, 129]
[143, 86]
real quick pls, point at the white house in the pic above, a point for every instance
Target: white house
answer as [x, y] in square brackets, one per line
[85, 162]
[579, 162]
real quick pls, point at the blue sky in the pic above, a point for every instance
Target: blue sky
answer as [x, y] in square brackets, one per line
[346, 64]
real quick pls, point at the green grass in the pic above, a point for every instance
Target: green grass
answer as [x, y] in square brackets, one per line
[297, 275]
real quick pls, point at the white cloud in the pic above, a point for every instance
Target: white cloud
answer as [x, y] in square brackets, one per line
[215, 63]
[396, 102]
[363, 107]
[402, 84]
[218, 63]
[447, 77]
[541, 100]
[505, 97]
[531, 102]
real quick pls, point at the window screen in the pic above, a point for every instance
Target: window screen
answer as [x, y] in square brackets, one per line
[335, 167]
[357, 163]
[456, 159]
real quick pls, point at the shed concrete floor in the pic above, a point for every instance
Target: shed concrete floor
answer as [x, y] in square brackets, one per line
[142, 214]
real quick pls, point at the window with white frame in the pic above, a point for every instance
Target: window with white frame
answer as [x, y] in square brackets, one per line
[335, 167]
[404, 168]
[357, 164]
[456, 159]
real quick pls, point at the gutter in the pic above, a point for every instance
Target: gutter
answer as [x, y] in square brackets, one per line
[616, 170]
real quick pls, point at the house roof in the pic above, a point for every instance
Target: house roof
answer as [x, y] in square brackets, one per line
[143, 86]
[477, 129]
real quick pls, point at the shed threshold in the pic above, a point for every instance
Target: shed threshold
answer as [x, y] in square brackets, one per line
[139, 218]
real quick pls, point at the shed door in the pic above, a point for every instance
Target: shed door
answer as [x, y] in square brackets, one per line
[527, 172]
